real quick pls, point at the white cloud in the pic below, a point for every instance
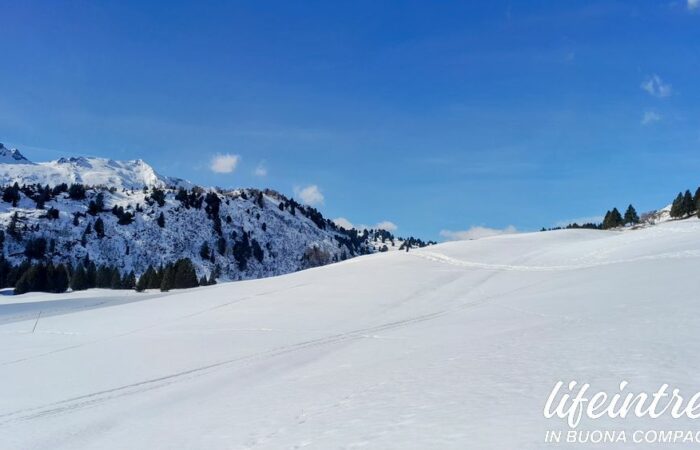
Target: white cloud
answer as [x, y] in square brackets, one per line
[655, 86]
[260, 170]
[343, 222]
[476, 233]
[311, 195]
[650, 117]
[579, 220]
[693, 4]
[387, 226]
[225, 163]
[383, 225]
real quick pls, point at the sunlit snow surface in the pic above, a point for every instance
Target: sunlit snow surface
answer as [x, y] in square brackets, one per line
[90, 171]
[453, 346]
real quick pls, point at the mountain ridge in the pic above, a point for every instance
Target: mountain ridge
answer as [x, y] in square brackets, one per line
[93, 171]
[12, 156]
[126, 216]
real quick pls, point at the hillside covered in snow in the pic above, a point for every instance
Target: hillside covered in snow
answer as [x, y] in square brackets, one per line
[444, 347]
[94, 212]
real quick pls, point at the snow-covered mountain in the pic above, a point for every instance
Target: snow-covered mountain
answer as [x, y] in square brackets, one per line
[239, 234]
[12, 156]
[456, 346]
[133, 174]
[123, 214]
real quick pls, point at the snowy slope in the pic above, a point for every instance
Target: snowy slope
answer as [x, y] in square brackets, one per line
[453, 346]
[133, 174]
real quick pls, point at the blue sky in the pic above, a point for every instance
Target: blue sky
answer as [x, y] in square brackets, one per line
[432, 115]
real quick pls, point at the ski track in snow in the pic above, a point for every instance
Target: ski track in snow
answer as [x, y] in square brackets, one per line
[133, 388]
[71, 404]
[130, 332]
[441, 258]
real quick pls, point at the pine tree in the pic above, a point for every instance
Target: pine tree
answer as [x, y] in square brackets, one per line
[129, 281]
[242, 251]
[26, 281]
[606, 220]
[63, 278]
[52, 213]
[156, 278]
[185, 275]
[159, 196]
[204, 250]
[79, 280]
[125, 218]
[221, 246]
[616, 218]
[677, 206]
[148, 280]
[35, 248]
[631, 215]
[34, 279]
[144, 280]
[161, 220]
[116, 279]
[100, 228]
[688, 204]
[696, 199]
[91, 273]
[612, 219]
[168, 279]
[16, 272]
[57, 278]
[76, 191]
[257, 251]
[216, 273]
[13, 228]
[5, 268]
[103, 279]
[11, 194]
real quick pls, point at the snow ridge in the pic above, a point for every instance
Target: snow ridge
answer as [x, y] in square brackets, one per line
[91, 171]
[12, 156]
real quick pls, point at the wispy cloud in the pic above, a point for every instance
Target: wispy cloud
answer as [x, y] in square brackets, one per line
[260, 169]
[650, 117]
[386, 225]
[655, 86]
[693, 4]
[311, 195]
[343, 222]
[224, 163]
[476, 233]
